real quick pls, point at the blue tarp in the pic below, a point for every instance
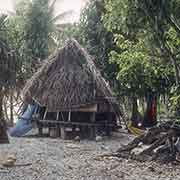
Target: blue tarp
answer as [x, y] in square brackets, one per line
[24, 123]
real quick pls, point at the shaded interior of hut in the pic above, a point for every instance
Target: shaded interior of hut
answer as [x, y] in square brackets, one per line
[76, 123]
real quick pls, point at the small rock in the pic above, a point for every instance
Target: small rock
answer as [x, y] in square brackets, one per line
[12, 156]
[103, 147]
[99, 138]
[9, 163]
[151, 169]
[77, 138]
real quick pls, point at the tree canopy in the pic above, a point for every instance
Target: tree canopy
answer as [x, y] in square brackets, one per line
[135, 44]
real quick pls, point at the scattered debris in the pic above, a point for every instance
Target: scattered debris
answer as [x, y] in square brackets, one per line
[158, 143]
[73, 146]
[8, 160]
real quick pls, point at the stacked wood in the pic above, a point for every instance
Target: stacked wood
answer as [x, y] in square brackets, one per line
[162, 143]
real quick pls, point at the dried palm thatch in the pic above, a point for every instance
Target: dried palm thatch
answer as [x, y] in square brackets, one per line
[68, 80]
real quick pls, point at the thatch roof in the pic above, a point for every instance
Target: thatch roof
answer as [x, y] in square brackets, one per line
[68, 80]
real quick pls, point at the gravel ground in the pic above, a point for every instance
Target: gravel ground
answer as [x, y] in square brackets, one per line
[55, 159]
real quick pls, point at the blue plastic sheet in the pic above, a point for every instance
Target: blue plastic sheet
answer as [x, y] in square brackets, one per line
[24, 123]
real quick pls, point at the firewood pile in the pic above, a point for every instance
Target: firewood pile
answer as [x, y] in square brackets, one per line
[160, 143]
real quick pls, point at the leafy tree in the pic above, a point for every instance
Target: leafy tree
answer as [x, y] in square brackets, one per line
[69, 31]
[33, 31]
[38, 26]
[3, 50]
[5, 74]
[142, 53]
[92, 33]
[39, 32]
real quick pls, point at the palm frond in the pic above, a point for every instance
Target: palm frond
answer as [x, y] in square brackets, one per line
[4, 45]
[51, 7]
[3, 19]
[62, 16]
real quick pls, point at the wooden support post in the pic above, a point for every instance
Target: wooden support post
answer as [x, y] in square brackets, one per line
[69, 116]
[63, 132]
[107, 127]
[93, 128]
[11, 108]
[58, 125]
[57, 116]
[83, 131]
[40, 129]
[74, 130]
[62, 128]
[44, 117]
[53, 132]
[62, 116]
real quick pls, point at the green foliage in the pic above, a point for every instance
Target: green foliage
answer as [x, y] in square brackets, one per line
[3, 31]
[37, 29]
[7, 58]
[96, 38]
[15, 36]
[135, 44]
[92, 34]
[32, 33]
[173, 41]
[175, 99]
[142, 65]
[69, 31]
[139, 72]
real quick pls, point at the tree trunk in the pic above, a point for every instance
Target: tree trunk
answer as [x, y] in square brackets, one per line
[134, 108]
[159, 34]
[150, 117]
[135, 117]
[11, 123]
[3, 133]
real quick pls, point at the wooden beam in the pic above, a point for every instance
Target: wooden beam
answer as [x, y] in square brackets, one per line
[63, 133]
[88, 108]
[45, 114]
[40, 128]
[57, 116]
[74, 123]
[69, 116]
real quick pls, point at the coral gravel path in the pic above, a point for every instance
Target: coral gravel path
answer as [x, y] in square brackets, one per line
[55, 159]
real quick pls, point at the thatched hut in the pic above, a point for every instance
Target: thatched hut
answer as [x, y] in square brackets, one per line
[72, 91]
